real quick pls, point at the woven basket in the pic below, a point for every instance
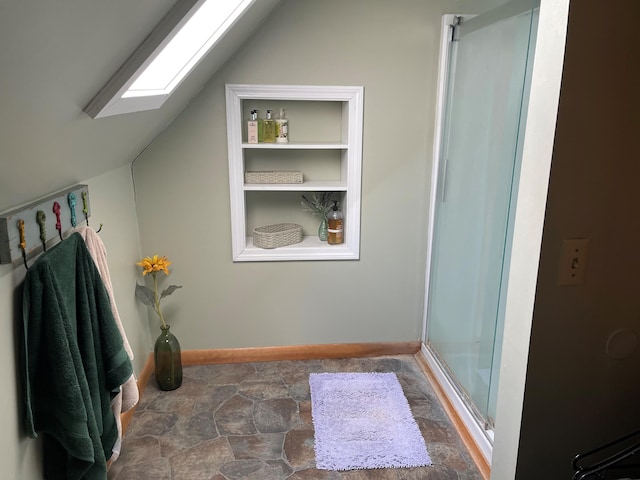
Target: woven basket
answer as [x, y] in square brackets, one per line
[278, 235]
[273, 177]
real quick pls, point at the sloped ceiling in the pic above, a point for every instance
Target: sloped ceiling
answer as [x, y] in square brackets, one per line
[54, 57]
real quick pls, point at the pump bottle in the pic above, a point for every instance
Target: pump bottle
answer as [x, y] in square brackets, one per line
[269, 129]
[252, 127]
[335, 232]
[282, 128]
[260, 126]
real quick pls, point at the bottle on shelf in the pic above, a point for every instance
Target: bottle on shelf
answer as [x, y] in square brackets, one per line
[269, 129]
[260, 127]
[252, 127]
[336, 226]
[282, 128]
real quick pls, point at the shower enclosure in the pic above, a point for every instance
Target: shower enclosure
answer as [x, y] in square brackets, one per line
[484, 89]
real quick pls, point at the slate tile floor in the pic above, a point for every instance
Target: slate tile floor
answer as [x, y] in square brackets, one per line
[252, 421]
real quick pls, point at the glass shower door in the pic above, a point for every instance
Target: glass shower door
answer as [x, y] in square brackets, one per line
[485, 90]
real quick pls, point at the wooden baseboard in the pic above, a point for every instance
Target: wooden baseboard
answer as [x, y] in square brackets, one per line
[474, 451]
[297, 352]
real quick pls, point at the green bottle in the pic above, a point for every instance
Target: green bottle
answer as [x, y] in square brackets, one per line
[268, 129]
[260, 127]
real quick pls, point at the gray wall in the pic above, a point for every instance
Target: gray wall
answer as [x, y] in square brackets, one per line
[183, 193]
[577, 397]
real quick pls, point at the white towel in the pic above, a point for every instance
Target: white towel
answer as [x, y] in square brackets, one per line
[129, 395]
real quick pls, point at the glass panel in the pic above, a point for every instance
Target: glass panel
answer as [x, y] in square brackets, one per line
[486, 84]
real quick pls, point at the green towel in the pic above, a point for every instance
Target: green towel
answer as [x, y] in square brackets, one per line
[72, 360]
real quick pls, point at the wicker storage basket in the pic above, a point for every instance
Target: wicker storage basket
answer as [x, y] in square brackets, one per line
[273, 177]
[278, 235]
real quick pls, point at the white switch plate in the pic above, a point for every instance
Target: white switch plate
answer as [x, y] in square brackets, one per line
[573, 261]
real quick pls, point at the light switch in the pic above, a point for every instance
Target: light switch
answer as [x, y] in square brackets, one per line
[573, 261]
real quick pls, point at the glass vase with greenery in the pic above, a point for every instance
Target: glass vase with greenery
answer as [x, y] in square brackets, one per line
[167, 353]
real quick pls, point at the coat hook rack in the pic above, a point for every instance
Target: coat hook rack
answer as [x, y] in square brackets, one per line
[20, 242]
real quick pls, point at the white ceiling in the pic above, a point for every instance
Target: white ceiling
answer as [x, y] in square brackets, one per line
[54, 57]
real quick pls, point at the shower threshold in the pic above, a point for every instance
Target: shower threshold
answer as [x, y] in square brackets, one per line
[479, 432]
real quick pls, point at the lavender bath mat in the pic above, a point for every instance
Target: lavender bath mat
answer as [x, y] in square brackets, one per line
[363, 420]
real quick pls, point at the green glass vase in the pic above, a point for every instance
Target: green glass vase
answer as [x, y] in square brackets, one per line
[322, 229]
[167, 356]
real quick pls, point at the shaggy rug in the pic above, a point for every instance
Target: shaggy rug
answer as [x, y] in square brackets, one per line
[362, 421]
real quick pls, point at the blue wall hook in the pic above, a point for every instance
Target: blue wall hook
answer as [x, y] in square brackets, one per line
[71, 198]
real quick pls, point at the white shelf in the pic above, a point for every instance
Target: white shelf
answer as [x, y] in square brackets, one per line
[311, 186]
[297, 146]
[311, 248]
[346, 107]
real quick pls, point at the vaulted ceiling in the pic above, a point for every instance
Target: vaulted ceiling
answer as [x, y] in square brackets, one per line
[54, 57]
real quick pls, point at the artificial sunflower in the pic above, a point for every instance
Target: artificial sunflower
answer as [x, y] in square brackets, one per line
[149, 297]
[154, 264]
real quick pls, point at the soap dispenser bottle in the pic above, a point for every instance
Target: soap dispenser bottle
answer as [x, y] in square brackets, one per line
[269, 129]
[252, 127]
[260, 127]
[282, 128]
[336, 226]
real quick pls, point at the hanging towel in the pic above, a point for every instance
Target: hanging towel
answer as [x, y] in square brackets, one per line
[72, 359]
[128, 395]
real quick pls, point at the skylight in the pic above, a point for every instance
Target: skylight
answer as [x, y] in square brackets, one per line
[172, 50]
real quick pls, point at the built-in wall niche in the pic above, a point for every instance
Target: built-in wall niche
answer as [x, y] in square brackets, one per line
[265, 208]
[316, 165]
[309, 121]
[325, 144]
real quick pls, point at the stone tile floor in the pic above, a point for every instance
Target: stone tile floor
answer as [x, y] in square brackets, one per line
[253, 421]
